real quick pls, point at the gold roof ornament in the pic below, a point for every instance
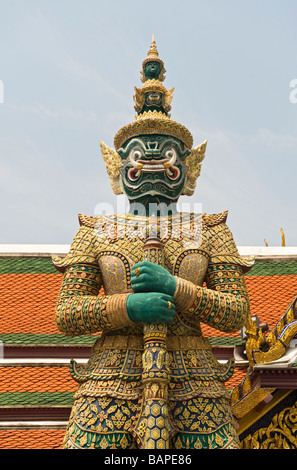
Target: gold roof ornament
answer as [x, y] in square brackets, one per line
[283, 237]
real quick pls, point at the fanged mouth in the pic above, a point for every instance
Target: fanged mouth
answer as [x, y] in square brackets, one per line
[167, 165]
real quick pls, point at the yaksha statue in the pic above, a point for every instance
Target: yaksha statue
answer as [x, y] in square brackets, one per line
[143, 281]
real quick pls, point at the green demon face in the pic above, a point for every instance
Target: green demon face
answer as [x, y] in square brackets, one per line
[152, 70]
[153, 167]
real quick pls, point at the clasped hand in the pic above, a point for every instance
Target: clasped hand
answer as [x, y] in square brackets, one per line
[153, 288]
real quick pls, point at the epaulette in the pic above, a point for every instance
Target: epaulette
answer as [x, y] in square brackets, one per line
[82, 248]
[215, 219]
[222, 245]
[86, 220]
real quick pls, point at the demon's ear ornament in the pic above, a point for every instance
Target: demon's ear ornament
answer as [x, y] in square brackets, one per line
[193, 164]
[113, 164]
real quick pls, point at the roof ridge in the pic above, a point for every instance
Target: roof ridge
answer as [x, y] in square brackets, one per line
[62, 249]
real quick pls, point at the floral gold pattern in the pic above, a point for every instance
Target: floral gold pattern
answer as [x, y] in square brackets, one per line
[279, 434]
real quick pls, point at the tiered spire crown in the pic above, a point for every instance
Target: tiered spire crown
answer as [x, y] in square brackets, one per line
[152, 105]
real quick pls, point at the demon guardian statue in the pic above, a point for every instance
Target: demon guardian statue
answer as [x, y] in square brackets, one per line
[152, 381]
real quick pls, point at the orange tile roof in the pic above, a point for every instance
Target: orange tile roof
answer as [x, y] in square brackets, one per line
[36, 379]
[31, 438]
[237, 377]
[55, 379]
[270, 296]
[30, 287]
[28, 303]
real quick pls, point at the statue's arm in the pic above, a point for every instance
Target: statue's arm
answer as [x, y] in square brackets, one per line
[82, 310]
[223, 304]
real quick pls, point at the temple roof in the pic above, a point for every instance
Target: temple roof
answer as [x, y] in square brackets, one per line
[36, 389]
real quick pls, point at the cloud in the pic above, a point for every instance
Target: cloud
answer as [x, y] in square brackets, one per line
[56, 112]
[242, 173]
[90, 77]
[271, 139]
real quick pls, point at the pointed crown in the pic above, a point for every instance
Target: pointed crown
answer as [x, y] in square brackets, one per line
[152, 104]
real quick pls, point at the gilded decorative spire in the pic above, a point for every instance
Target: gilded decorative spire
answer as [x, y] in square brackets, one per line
[152, 96]
[153, 66]
[152, 105]
[153, 53]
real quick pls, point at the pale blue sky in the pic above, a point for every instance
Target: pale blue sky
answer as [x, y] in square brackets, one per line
[69, 68]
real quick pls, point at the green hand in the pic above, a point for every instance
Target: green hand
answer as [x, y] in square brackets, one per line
[151, 307]
[150, 277]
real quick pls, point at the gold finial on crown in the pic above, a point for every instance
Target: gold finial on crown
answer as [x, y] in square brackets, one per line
[153, 52]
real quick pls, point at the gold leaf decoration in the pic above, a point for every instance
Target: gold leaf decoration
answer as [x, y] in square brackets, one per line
[194, 163]
[113, 164]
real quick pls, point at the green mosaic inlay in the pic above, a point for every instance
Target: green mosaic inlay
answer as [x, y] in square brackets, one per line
[25, 265]
[273, 268]
[43, 339]
[36, 398]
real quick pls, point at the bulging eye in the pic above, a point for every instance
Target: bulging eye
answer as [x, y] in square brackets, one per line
[171, 155]
[134, 157]
[135, 154]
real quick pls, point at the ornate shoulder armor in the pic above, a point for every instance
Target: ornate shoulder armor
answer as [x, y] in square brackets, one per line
[220, 242]
[87, 221]
[82, 250]
[211, 220]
